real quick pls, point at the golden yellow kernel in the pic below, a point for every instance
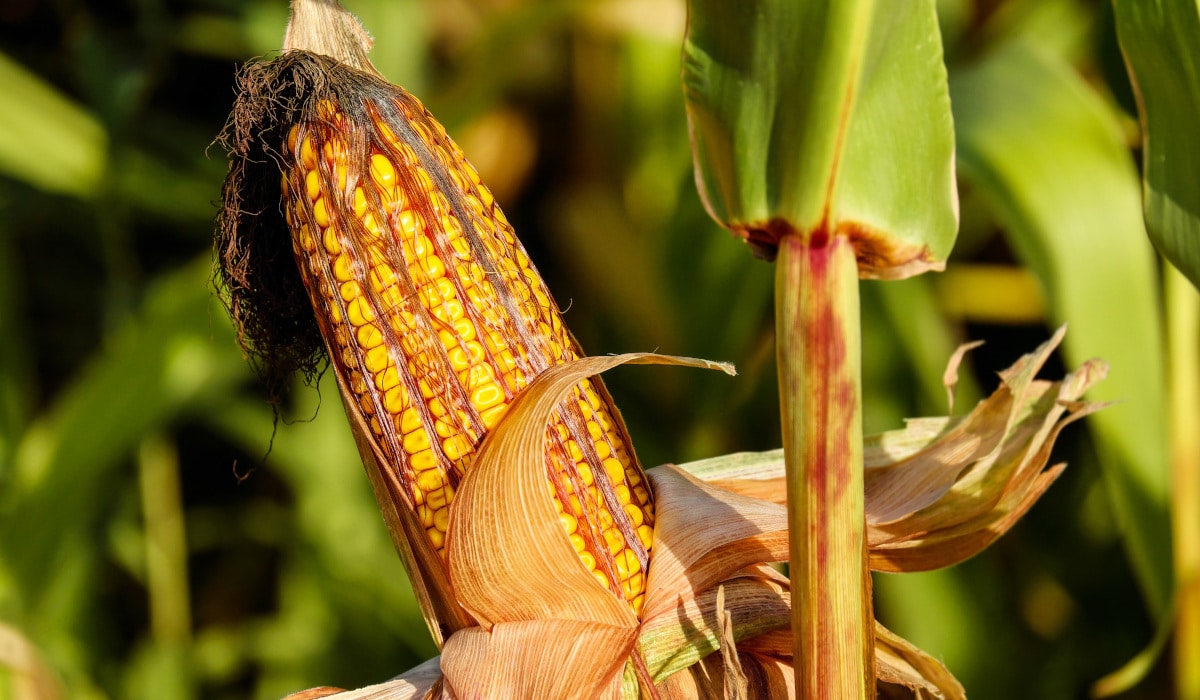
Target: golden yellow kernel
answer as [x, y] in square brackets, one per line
[343, 268]
[441, 519]
[645, 533]
[425, 515]
[369, 336]
[360, 201]
[377, 359]
[367, 404]
[359, 311]
[408, 223]
[491, 417]
[601, 578]
[622, 493]
[371, 225]
[358, 383]
[394, 399]
[569, 523]
[449, 311]
[376, 427]
[320, 214]
[456, 447]
[307, 242]
[585, 473]
[579, 545]
[350, 291]
[478, 376]
[588, 560]
[312, 185]
[487, 396]
[437, 408]
[332, 245]
[573, 501]
[442, 497]
[308, 156]
[603, 449]
[382, 276]
[615, 540]
[574, 451]
[637, 602]
[436, 537]
[614, 469]
[605, 518]
[423, 462]
[388, 378]
[382, 170]
[429, 481]
[627, 563]
[640, 493]
[410, 421]
[433, 267]
[444, 428]
[416, 441]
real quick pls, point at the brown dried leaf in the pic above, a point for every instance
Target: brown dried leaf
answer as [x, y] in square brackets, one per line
[705, 535]
[904, 671]
[509, 558]
[538, 659]
[419, 682]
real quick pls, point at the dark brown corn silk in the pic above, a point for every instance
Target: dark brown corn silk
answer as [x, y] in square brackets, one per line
[432, 314]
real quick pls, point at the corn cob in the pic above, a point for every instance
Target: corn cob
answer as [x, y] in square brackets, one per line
[436, 319]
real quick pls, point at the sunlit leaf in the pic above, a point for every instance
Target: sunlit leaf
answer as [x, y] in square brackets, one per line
[1161, 43]
[834, 118]
[1048, 155]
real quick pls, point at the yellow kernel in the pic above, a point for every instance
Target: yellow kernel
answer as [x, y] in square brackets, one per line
[588, 560]
[429, 481]
[573, 501]
[416, 441]
[622, 493]
[615, 540]
[293, 135]
[614, 469]
[388, 378]
[640, 493]
[425, 515]
[332, 245]
[485, 397]
[585, 473]
[371, 225]
[394, 399]
[491, 417]
[408, 224]
[442, 497]
[638, 602]
[600, 577]
[437, 408]
[441, 519]
[358, 383]
[382, 170]
[605, 518]
[410, 421]
[645, 533]
[423, 461]
[382, 276]
[312, 185]
[634, 514]
[369, 336]
[343, 268]
[603, 449]
[308, 156]
[456, 447]
[377, 359]
[360, 201]
[594, 428]
[569, 523]
[436, 537]
[367, 404]
[479, 376]
[627, 563]
[359, 311]
[574, 451]
[320, 213]
[433, 267]
[307, 242]
[579, 545]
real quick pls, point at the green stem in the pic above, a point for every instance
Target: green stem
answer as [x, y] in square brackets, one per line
[820, 383]
[1183, 392]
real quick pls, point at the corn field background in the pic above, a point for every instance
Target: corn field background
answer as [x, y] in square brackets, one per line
[162, 535]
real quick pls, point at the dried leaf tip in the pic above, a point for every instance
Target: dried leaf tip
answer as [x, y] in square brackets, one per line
[325, 27]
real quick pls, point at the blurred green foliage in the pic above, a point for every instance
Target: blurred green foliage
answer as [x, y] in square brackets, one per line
[161, 535]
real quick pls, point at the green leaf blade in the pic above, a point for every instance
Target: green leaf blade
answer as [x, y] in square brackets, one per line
[1162, 53]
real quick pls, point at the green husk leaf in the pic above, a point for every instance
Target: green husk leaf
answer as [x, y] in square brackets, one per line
[835, 118]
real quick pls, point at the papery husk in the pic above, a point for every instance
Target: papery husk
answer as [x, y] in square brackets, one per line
[508, 556]
[942, 489]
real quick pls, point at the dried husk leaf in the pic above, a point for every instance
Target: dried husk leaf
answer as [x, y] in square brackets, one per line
[904, 671]
[423, 681]
[537, 659]
[508, 556]
[703, 536]
[680, 637]
[943, 489]
[950, 376]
